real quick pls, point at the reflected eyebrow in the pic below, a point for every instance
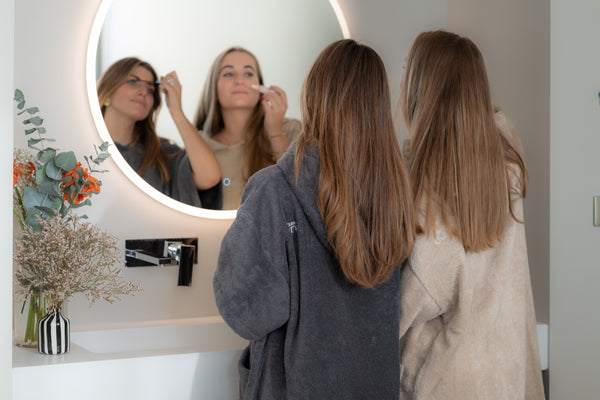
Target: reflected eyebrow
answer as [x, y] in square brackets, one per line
[231, 66]
[141, 80]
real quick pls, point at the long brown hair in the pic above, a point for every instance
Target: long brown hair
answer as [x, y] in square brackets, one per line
[459, 158]
[364, 194]
[145, 130]
[208, 118]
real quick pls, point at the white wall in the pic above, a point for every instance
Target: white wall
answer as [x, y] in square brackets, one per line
[389, 27]
[6, 126]
[574, 172]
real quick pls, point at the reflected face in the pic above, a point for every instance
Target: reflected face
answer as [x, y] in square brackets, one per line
[237, 74]
[134, 99]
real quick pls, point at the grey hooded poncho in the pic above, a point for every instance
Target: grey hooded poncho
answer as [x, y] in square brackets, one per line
[313, 335]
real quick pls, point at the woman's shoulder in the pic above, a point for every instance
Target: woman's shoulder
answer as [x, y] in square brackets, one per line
[262, 196]
[168, 146]
[507, 128]
[292, 128]
[265, 179]
[438, 243]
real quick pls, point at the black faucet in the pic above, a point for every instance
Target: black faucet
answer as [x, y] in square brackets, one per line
[183, 254]
[174, 252]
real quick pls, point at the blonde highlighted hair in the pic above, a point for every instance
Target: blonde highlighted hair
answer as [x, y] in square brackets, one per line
[208, 118]
[459, 158]
[363, 194]
[145, 130]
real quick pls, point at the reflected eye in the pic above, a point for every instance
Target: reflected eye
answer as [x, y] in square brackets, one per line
[227, 74]
[249, 74]
[137, 83]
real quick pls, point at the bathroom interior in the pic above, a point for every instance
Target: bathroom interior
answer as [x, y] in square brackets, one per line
[168, 341]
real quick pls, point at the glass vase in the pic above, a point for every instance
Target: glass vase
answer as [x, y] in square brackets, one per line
[37, 304]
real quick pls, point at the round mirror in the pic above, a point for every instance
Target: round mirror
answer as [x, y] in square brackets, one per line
[185, 36]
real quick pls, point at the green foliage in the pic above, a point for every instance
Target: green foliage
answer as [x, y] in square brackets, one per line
[60, 182]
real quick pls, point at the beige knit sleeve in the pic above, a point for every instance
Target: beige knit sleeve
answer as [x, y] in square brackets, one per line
[417, 306]
[292, 129]
[508, 129]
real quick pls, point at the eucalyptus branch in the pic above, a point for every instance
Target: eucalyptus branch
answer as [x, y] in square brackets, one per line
[61, 184]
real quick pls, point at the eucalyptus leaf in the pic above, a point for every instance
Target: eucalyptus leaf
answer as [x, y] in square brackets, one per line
[40, 174]
[80, 174]
[53, 171]
[32, 110]
[66, 161]
[86, 202]
[70, 192]
[37, 121]
[32, 142]
[32, 197]
[30, 131]
[19, 96]
[103, 156]
[50, 188]
[46, 155]
[104, 146]
[42, 130]
[47, 212]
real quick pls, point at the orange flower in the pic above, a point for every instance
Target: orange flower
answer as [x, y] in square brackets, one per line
[87, 190]
[21, 168]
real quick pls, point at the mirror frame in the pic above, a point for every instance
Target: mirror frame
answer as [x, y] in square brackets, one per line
[129, 172]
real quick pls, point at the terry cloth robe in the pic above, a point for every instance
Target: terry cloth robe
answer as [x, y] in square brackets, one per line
[181, 187]
[467, 320]
[313, 335]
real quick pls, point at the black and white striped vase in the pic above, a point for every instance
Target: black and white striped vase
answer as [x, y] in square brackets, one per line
[53, 333]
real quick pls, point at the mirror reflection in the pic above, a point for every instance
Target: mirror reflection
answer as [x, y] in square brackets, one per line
[129, 94]
[246, 129]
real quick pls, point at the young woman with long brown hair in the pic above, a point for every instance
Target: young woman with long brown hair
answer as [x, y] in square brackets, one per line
[309, 270]
[467, 317]
[129, 96]
[242, 121]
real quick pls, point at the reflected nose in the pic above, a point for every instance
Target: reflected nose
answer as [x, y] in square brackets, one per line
[143, 90]
[239, 79]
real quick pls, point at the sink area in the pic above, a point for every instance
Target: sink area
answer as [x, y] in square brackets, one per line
[193, 358]
[192, 334]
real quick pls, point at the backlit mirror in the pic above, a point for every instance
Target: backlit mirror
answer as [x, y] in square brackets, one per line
[186, 37]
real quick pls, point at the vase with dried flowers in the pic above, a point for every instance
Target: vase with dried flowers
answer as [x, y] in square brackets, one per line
[58, 254]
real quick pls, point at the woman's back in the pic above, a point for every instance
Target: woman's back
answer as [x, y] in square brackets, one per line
[314, 334]
[467, 318]
[468, 321]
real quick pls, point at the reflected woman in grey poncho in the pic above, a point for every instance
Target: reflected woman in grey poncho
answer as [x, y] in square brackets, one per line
[128, 92]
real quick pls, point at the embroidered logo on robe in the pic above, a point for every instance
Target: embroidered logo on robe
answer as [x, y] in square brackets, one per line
[292, 226]
[440, 235]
